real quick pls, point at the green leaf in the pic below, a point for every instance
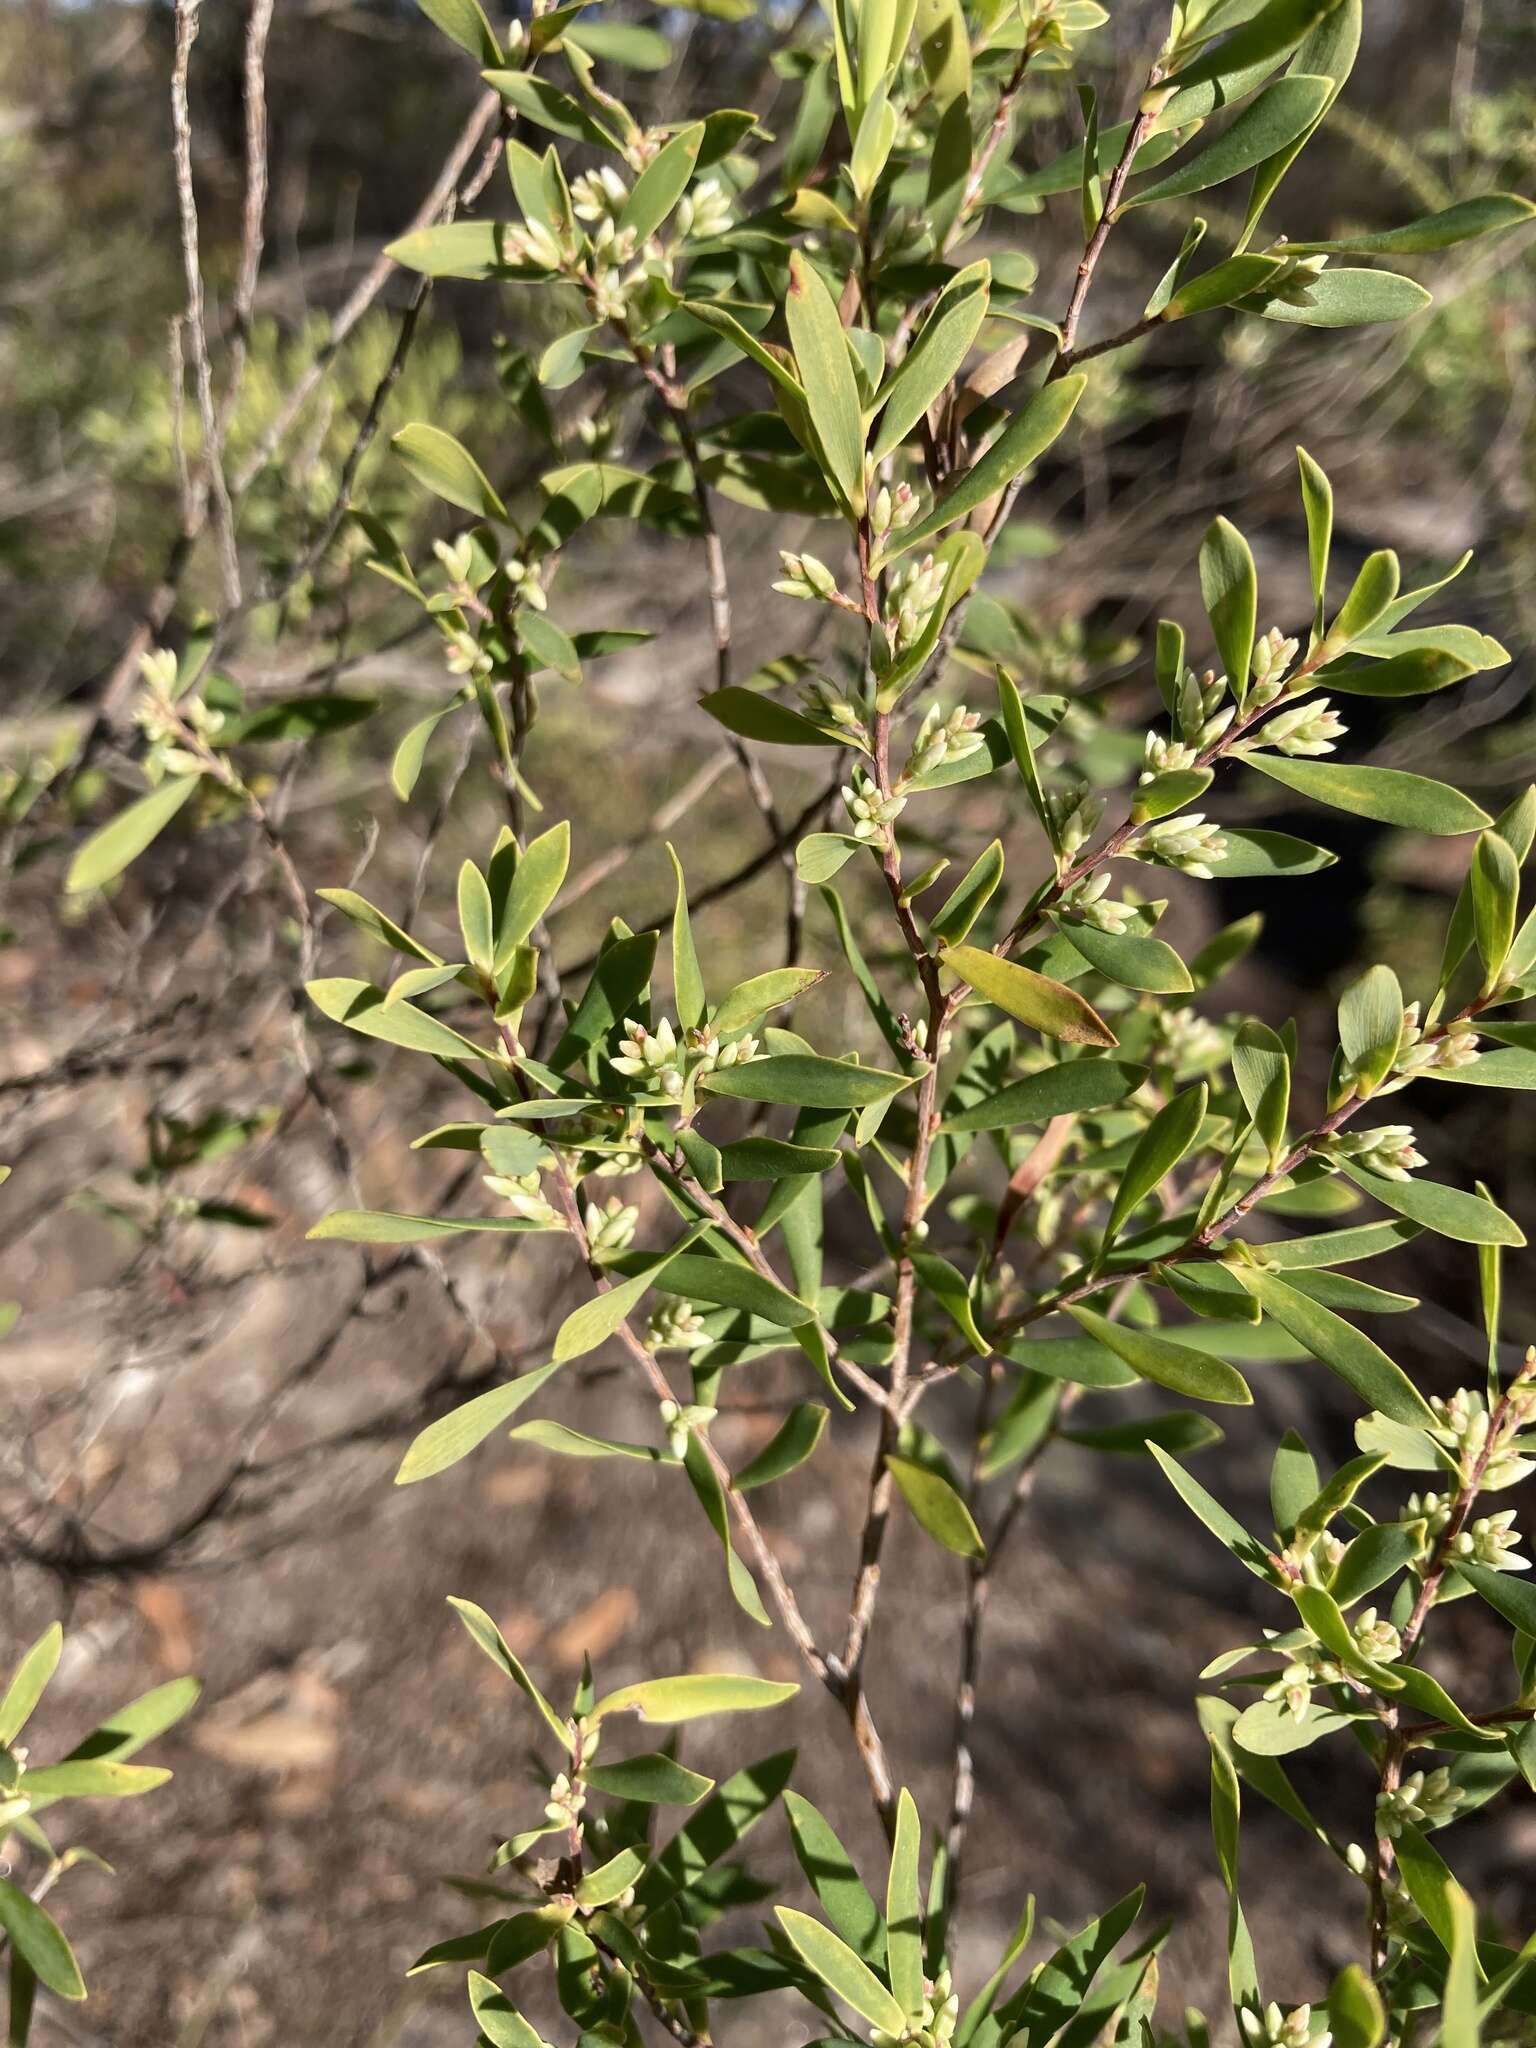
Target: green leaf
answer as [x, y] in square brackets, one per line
[29, 1682]
[1261, 1067]
[457, 248]
[791, 1444]
[821, 855]
[937, 1507]
[1065, 1089]
[966, 902]
[115, 845]
[1180, 1433]
[1268, 856]
[836, 1883]
[831, 395]
[752, 716]
[1489, 214]
[1495, 904]
[774, 1159]
[687, 981]
[1229, 586]
[1207, 1509]
[1221, 285]
[934, 359]
[1359, 1362]
[363, 1008]
[1370, 1026]
[1460, 2014]
[1049, 1007]
[597, 1320]
[490, 1639]
[1415, 672]
[671, 1700]
[950, 1290]
[455, 1435]
[536, 882]
[1023, 441]
[1450, 1212]
[622, 974]
[475, 917]
[729, 1284]
[499, 2023]
[463, 23]
[367, 919]
[841, 1970]
[807, 1081]
[437, 460]
[629, 44]
[1134, 959]
[649, 1780]
[575, 1443]
[95, 1778]
[1152, 1356]
[380, 1226]
[903, 1911]
[662, 183]
[1269, 1728]
[711, 1497]
[550, 108]
[1514, 1598]
[1276, 28]
[1389, 795]
[1156, 1153]
[1275, 118]
[1344, 298]
[752, 999]
[39, 1941]
[610, 1880]
[1369, 597]
[1317, 504]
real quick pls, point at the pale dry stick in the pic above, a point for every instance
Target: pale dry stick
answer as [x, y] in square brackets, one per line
[211, 479]
[253, 218]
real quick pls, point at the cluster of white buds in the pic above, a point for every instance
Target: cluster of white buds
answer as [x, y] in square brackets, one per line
[617, 1165]
[1190, 843]
[913, 593]
[1087, 903]
[1201, 718]
[942, 737]
[1425, 1801]
[609, 289]
[675, 1326]
[651, 1055]
[870, 813]
[824, 702]
[1273, 2028]
[524, 1195]
[161, 718]
[1314, 1561]
[891, 510]
[1389, 1150]
[680, 1422]
[705, 1049]
[1295, 1682]
[534, 246]
[565, 1803]
[935, 2026]
[459, 564]
[1075, 818]
[1309, 728]
[805, 576]
[1186, 1039]
[1273, 654]
[920, 1038]
[1432, 1509]
[611, 1225]
[1160, 755]
[1491, 1541]
[704, 212]
[466, 657]
[1376, 1638]
[1416, 1054]
[1464, 1426]
[599, 195]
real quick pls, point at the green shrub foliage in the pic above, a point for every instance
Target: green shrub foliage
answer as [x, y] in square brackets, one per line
[836, 322]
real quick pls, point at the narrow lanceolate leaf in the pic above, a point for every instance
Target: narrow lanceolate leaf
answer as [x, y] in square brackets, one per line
[1370, 1026]
[806, 1081]
[1152, 1356]
[39, 1941]
[832, 396]
[1261, 1067]
[650, 1780]
[935, 357]
[463, 22]
[383, 1226]
[1047, 1006]
[1450, 1212]
[596, 1320]
[752, 999]
[841, 1970]
[1317, 503]
[791, 1444]
[95, 1778]
[1063, 1090]
[672, 1700]
[454, 1436]
[362, 1007]
[1023, 441]
[490, 1639]
[662, 183]
[953, 920]
[1495, 903]
[1468, 218]
[29, 1683]
[1157, 1152]
[1279, 114]
[903, 1911]
[1388, 795]
[1226, 1528]
[437, 460]
[937, 1507]
[1275, 28]
[1344, 298]
[687, 980]
[115, 845]
[498, 2020]
[1134, 959]
[535, 884]
[1363, 1365]
[1229, 586]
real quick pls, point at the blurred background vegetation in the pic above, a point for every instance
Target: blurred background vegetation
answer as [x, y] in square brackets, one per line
[202, 1411]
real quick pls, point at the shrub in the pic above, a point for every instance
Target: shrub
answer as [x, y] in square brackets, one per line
[1070, 1181]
